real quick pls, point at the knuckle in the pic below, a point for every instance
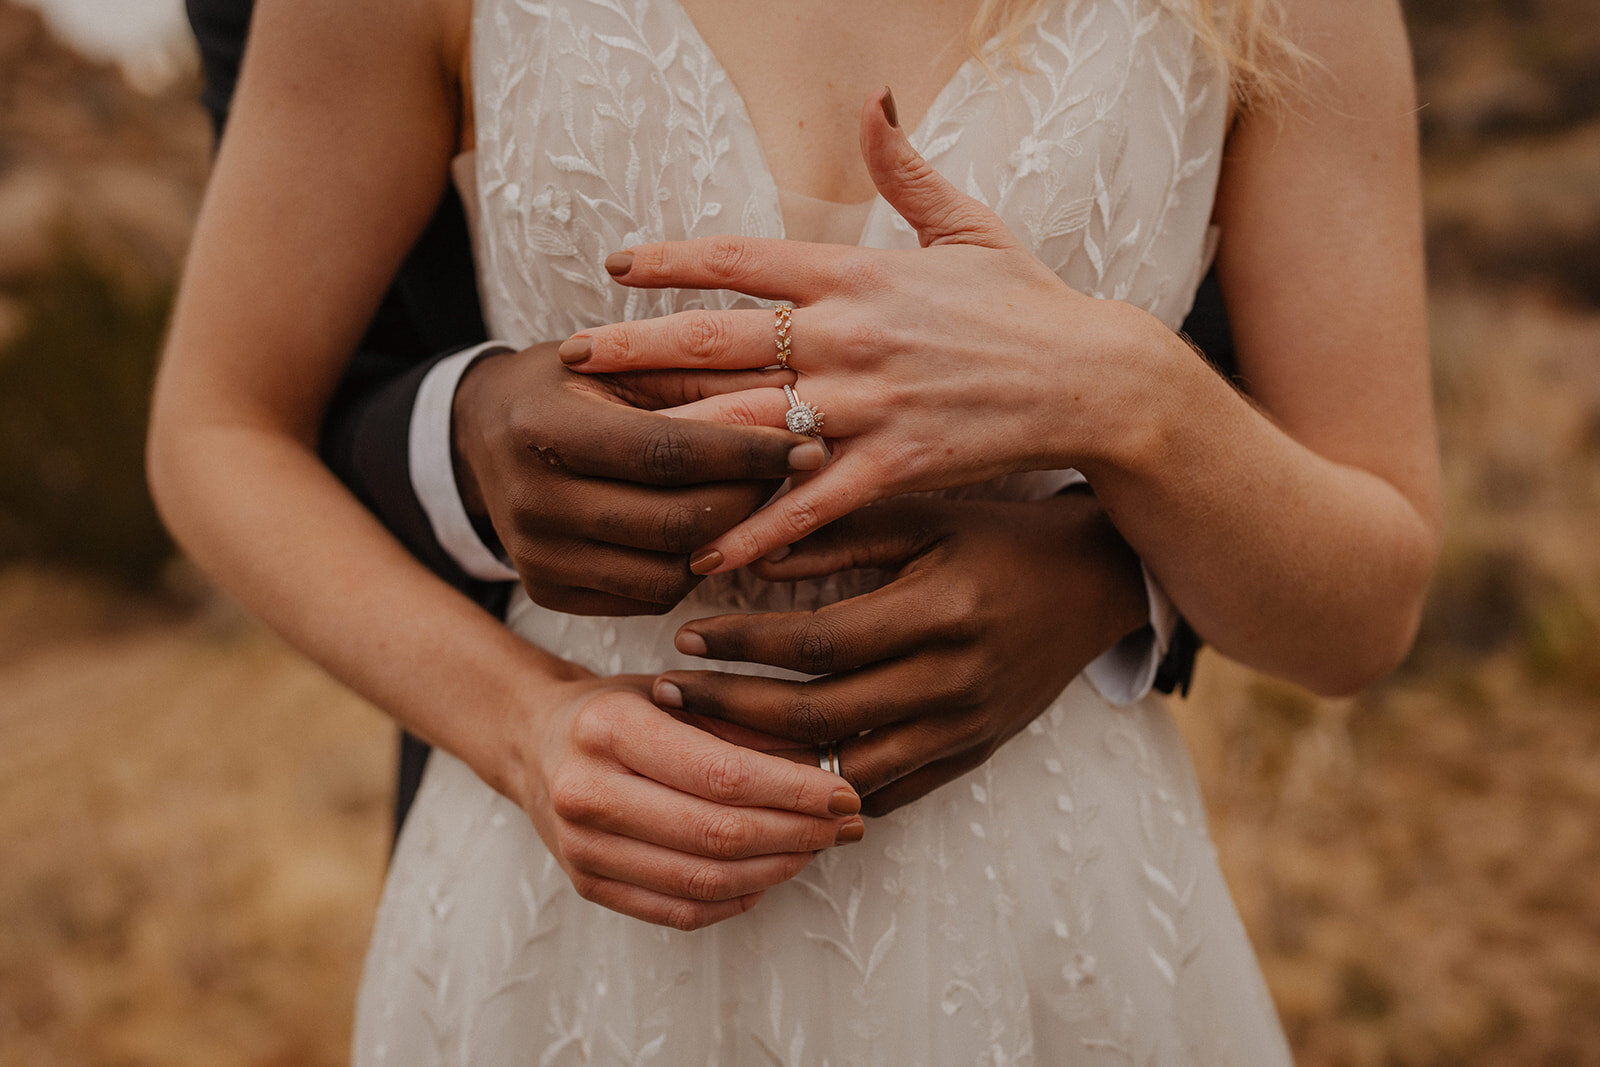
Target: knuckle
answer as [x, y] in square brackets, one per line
[811, 719]
[962, 605]
[816, 649]
[866, 337]
[686, 915]
[709, 881]
[726, 259]
[968, 685]
[680, 528]
[587, 885]
[728, 776]
[724, 834]
[620, 344]
[704, 337]
[801, 518]
[576, 798]
[667, 586]
[864, 273]
[668, 454]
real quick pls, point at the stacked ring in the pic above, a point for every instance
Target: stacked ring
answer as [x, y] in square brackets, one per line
[783, 313]
[801, 417]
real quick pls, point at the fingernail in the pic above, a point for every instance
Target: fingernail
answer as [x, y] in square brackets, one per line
[706, 562]
[667, 695]
[619, 263]
[779, 554]
[890, 112]
[844, 802]
[690, 643]
[575, 350]
[807, 457]
[851, 832]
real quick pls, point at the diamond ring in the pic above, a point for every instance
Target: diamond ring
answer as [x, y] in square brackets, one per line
[801, 417]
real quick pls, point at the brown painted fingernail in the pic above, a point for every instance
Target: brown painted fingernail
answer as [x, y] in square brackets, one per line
[690, 643]
[706, 562]
[890, 112]
[807, 457]
[575, 350]
[851, 832]
[619, 263]
[667, 695]
[844, 802]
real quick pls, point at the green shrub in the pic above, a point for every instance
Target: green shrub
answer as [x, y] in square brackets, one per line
[74, 404]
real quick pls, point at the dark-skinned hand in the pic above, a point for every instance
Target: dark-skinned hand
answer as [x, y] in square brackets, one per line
[990, 609]
[596, 498]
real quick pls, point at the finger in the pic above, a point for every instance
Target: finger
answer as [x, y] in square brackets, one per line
[840, 488]
[738, 340]
[885, 756]
[629, 573]
[768, 268]
[883, 536]
[658, 908]
[936, 209]
[683, 758]
[885, 623]
[826, 709]
[645, 447]
[676, 874]
[753, 407]
[676, 520]
[570, 600]
[919, 784]
[633, 806]
[660, 389]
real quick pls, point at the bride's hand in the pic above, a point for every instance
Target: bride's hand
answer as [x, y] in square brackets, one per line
[949, 365]
[656, 819]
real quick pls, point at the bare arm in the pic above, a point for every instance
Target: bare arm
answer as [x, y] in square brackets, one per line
[1310, 524]
[344, 124]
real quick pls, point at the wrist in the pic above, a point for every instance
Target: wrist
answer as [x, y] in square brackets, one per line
[470, 400]
[1124, 429]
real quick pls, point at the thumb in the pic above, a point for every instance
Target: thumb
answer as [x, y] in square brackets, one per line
[936, 209]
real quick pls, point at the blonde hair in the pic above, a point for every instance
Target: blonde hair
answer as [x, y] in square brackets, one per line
[1246, 37]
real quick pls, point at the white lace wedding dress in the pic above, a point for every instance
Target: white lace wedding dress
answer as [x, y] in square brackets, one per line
[1060, 905]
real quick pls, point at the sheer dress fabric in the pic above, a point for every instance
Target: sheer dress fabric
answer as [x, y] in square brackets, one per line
[1061, 904]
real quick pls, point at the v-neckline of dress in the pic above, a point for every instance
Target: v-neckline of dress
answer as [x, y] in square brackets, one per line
[766, 179]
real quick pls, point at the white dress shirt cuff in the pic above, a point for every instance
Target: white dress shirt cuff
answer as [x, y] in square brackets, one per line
[1125, 672]
[433, 472]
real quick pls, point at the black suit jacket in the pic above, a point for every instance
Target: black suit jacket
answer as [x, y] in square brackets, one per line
[432, 311]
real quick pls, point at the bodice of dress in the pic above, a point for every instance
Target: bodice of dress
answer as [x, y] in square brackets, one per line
[606, 123]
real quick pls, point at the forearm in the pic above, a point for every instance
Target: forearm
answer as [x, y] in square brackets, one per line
[1280, 557]
[258, 511]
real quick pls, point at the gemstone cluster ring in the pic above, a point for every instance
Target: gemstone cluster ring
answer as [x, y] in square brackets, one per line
[801, 417]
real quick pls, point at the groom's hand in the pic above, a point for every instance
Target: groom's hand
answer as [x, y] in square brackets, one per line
[597, 499]
[991, 609]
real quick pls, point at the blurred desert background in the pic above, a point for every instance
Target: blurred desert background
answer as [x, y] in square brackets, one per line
[194, 821]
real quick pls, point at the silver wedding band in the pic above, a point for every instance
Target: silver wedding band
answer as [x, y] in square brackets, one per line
[828, 758]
